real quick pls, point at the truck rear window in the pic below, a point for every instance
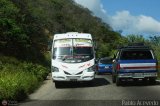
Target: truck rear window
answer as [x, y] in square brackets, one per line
[136, 55]
[105, 61]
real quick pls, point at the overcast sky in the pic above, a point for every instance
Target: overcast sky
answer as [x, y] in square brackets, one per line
[131, 16]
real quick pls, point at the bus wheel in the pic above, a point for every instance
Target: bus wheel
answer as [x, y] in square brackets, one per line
[58, 84]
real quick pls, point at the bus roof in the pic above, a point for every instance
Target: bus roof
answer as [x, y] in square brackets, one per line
[72, 35]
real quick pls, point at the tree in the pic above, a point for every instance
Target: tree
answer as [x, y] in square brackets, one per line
[135, 38]
[12, 37]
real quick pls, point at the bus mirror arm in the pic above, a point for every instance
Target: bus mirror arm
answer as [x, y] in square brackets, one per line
[114, 58]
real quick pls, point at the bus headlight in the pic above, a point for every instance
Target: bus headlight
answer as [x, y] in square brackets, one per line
[90, 69]
[55, 69]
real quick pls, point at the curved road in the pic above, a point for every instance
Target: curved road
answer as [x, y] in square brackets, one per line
[101, 92]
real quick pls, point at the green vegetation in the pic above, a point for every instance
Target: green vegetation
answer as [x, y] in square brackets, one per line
[26, 29]
[28, 25]
[18, 79]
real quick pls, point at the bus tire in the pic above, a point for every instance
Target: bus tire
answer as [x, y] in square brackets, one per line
[57, 84]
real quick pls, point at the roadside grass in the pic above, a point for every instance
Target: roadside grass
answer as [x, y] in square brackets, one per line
[18, 79]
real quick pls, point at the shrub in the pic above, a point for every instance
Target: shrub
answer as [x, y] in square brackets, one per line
[18, 79]
[38, 70]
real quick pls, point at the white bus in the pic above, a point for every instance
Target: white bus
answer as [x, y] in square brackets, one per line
[73, 57]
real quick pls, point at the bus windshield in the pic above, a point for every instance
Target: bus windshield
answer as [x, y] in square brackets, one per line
[73, 50]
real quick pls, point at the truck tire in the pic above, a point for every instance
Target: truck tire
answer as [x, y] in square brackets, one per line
[152, 80]
[118, 81]
[113, 78]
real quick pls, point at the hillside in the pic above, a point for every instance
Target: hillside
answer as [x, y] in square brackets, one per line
[27, 26]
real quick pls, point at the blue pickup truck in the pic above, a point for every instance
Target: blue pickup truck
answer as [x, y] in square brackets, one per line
[134, 62]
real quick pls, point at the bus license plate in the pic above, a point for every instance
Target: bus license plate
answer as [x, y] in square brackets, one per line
[73, 78]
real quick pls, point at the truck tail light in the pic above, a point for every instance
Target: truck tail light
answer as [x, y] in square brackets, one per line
[118, 67]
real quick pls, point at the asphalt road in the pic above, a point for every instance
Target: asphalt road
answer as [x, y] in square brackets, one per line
[101, 92]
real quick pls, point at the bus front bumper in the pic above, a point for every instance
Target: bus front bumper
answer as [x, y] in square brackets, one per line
[88, 77]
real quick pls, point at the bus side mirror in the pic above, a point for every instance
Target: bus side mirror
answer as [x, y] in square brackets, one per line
[114, 58]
